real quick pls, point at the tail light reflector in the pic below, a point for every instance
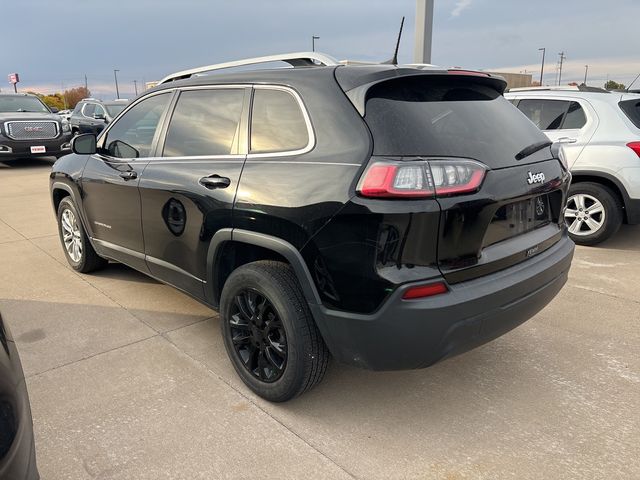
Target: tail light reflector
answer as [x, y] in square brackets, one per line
[421, 178]
[635, 146]
[423, 291]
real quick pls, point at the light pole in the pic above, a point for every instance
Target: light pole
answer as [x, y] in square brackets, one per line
[135, 85]
[424, 31]
[115, 75]
[544, 51]
[586, 71]
[562, 59]
[313, 42]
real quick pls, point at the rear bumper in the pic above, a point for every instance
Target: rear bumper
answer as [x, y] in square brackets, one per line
[12, 149]
[417, 333]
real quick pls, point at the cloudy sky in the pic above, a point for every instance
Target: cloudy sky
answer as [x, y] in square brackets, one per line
[54, 43]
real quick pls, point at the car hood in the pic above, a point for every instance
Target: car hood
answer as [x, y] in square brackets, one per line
[35, 116]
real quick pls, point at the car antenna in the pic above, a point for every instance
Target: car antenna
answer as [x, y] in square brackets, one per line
[394, 60]
[634, 81]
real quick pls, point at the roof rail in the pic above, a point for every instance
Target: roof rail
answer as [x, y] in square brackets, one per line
[299, 59]
[562, 88]
[565, 88]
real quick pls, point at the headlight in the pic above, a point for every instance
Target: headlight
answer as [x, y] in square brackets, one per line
[66, 127]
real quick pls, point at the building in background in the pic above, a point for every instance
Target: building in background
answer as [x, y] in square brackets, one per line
[515, 80]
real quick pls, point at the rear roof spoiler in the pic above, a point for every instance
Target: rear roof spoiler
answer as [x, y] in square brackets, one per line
[356, 83]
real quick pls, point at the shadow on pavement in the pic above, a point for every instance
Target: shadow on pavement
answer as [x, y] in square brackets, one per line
[119, 271]
[628, 238]
[27, 163]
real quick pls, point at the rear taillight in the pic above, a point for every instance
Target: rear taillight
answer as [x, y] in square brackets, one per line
[421, 178]
[635, 146]
[423, 291]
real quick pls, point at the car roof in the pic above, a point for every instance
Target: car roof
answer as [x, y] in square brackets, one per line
[601, 96]
[351, 76]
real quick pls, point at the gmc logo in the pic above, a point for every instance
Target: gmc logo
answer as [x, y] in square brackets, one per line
[535, 178]
[33, 129]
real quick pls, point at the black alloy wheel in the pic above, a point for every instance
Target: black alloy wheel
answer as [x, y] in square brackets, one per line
[269, 333]
[258, 335]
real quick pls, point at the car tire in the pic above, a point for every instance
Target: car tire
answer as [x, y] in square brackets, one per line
[593, 214]
[75, 243]
[263, 314]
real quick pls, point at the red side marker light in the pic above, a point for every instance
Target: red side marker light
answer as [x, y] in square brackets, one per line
[423, 291]
[635, 146]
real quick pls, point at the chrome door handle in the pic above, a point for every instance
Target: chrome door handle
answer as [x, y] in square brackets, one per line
[215, 181]
[129, 175]
[566, 140]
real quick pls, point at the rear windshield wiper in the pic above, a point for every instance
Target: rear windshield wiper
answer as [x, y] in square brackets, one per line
[533, 148]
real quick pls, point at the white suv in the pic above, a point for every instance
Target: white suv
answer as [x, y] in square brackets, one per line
[600, 134]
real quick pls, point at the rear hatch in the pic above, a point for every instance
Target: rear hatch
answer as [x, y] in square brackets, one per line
[454, 138]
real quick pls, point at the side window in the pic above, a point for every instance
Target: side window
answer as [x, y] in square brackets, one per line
[546, 114]
[575, 117]
[132, 135]
[204, 122]
[78, 108]
[277, 123]
[99, 109]
[89, 109]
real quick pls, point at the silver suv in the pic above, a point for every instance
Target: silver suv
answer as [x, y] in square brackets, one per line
[600, 134]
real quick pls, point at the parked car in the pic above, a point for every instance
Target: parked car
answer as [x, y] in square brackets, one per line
[17, 450]
[91, 115]
[28, 128]
[600, 133]
[390, 216]
[65, 114]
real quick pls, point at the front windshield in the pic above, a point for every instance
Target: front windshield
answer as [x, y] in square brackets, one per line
[19, 103]
[115, 109]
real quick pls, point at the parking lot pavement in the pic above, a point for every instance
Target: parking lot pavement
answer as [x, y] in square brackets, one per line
[128, 379]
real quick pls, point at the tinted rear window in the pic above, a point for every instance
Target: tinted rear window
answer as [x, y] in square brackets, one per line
[545, 114]
[444, 116]
[277, 123]
[632, 109]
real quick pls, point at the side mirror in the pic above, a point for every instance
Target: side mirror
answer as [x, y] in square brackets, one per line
[54, 109]
[99, 116]
[84, 144]
[120, 149]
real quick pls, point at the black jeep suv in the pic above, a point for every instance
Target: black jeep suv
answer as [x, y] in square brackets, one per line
[28, 128]
[389, 216]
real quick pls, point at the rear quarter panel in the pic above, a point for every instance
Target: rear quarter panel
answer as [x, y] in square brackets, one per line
[292, 196]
